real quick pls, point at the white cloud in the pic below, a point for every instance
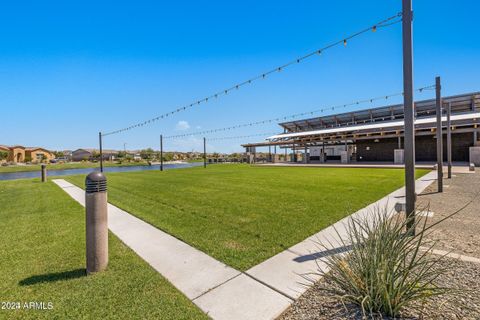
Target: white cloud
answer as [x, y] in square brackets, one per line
[182, 126]
[198, 127]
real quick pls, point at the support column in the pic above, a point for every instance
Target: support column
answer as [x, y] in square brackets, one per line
[324, 155]
[399, 142]
[438, 105]
[305, 160]
[270, 153]
[449, 140]
[475, 133]
[407, 21]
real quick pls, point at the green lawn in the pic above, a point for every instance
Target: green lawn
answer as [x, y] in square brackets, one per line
[42, 250]
[243, 215]
[69, 165]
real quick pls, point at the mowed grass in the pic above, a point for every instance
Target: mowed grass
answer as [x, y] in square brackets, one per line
[42, 250]
[241, 214]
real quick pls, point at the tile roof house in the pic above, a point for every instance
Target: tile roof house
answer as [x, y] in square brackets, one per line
[19, 154]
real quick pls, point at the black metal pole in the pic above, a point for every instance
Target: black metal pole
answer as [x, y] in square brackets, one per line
[204, 152]
[101, 151]
[438, 106]
[270, 153]
[161, 152]
[409, 140]
[449, 140]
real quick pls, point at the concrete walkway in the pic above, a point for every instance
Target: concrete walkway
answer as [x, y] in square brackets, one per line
[219, 290]
[285, 271]
[262, 292]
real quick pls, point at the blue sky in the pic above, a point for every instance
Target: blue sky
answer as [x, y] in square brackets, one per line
[69, 70]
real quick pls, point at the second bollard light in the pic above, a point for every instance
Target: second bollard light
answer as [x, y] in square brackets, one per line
[44, 173]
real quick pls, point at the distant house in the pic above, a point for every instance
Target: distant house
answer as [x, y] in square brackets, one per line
[20, 154]
[134, 154]
[91, 154]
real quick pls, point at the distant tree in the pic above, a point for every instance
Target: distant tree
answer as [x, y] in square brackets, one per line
[122, 154]
[58, 154]
[3, 155]
[95, 155]
[147, 154]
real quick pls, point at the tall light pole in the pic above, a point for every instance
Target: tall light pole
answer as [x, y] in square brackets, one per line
[409, 143]
[438, 108]
[204, 152]
[101, 150]
[161, 152]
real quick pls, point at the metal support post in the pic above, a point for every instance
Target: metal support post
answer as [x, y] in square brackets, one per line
[438, 106]
[449, 140]
[409, 140]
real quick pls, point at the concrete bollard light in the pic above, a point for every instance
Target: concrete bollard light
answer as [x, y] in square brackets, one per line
[96, 222]
[44, 173]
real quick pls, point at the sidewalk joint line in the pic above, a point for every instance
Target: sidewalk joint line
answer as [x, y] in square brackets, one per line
[269, 286]
[218, 285]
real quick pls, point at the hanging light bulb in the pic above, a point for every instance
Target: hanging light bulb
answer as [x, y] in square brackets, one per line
[374, 28]
[345, 42]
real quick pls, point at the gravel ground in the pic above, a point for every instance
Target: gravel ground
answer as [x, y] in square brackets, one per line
[460, 234]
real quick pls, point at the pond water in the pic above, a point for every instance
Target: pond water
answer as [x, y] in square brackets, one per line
[37, 174]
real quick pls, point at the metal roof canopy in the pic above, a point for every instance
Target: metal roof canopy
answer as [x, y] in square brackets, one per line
[378, 124]
[460, 103]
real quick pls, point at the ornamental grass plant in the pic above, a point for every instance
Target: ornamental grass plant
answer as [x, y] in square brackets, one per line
[386, 268]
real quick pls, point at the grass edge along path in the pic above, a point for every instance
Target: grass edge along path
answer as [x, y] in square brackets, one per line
[42, 238]
[243, 215]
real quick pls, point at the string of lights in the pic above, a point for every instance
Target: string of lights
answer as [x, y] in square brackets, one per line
[381, 24]
[296, 115]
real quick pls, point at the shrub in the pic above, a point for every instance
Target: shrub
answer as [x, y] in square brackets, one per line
[385, 270]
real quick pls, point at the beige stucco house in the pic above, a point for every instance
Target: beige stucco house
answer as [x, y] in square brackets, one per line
[20, 154]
